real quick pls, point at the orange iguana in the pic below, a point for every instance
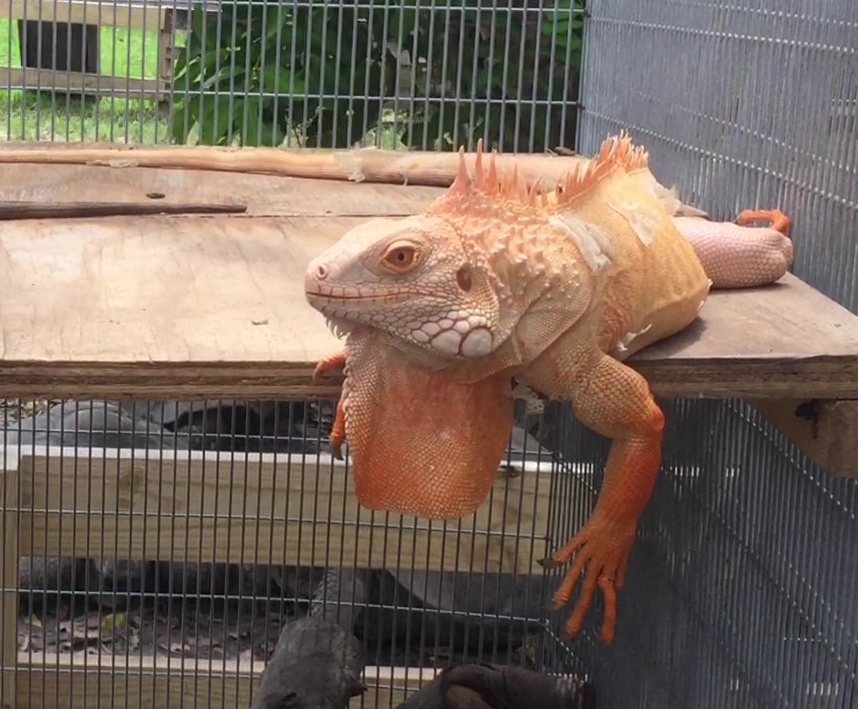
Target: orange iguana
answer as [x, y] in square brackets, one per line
[552, 288]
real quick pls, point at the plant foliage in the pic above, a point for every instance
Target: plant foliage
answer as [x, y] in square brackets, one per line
[259, 70]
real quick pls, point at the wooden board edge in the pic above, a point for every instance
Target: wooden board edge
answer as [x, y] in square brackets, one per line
[160, 682]
[50, 80]
[826, 431]
[269, 381]
[92, 12]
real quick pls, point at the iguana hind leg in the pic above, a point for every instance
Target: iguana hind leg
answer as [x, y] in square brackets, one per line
[615, 401]
[735, 255]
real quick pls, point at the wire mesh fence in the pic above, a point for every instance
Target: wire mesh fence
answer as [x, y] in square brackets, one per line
[154, 543]
[418, 73]
[740, 592]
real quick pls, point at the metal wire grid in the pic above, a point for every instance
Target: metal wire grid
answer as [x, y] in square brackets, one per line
[366, 71]
[128, 610]
[740, 591]
[115, 100]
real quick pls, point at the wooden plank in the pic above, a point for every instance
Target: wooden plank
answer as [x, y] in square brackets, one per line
[826, 431]
[264, 508]
[90, 12]
[264, 195]
[85, 83]
[179, 307]
[81, 681]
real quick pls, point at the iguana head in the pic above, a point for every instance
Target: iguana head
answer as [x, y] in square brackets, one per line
[412, 278]
[457, 280]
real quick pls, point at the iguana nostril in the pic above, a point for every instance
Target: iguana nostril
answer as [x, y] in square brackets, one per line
[321, 272]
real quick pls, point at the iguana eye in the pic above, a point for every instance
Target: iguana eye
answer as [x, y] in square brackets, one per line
[401, 257]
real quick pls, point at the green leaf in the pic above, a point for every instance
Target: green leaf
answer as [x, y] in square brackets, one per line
[251, 131]
[217, 120]
[178, 130]
[278, 80]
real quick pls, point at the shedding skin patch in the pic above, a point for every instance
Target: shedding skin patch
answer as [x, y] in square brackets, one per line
[421, 442]
[592, 242]
[642, 218]
[627, 339]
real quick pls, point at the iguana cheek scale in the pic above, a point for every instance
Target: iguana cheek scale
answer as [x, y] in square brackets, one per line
[554, 288]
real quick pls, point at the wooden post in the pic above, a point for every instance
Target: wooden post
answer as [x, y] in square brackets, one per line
[9, 577]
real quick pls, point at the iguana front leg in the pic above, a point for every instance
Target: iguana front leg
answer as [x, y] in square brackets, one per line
[338, 428]
[615, 401]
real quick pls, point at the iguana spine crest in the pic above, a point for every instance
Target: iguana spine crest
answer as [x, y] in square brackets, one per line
[616, 152]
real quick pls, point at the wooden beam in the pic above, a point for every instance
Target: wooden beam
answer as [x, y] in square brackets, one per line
[82, 681]
[88, 12]
[262, 508]
[83, 83]
[825, 431]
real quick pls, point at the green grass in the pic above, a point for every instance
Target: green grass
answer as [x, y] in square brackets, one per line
[48, 115]
[45, 115]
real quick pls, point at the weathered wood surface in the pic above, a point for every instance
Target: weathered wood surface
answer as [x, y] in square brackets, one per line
[826, 431]
[264, 195]
[190, 307]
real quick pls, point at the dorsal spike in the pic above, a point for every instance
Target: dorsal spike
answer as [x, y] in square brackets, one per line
[479, 175]
[492, 177]
[519, 186]
[462, 183]
[534, 191]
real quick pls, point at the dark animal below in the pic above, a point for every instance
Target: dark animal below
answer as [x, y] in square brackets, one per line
[479, 686]
[316, 665]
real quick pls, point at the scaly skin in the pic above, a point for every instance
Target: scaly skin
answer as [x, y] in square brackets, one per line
[405, 419]
[552, 289]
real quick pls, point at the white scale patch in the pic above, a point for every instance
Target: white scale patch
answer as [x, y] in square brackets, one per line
[629, 337]
[592, 241]
[642, 218]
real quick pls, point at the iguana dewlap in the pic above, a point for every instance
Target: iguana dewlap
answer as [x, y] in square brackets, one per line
[553, 289]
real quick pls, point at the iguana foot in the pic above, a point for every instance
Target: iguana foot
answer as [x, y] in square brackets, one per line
[329, 364]
[776, 218]
[603, 546]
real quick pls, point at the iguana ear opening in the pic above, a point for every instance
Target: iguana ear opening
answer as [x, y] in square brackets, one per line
[421, 442]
